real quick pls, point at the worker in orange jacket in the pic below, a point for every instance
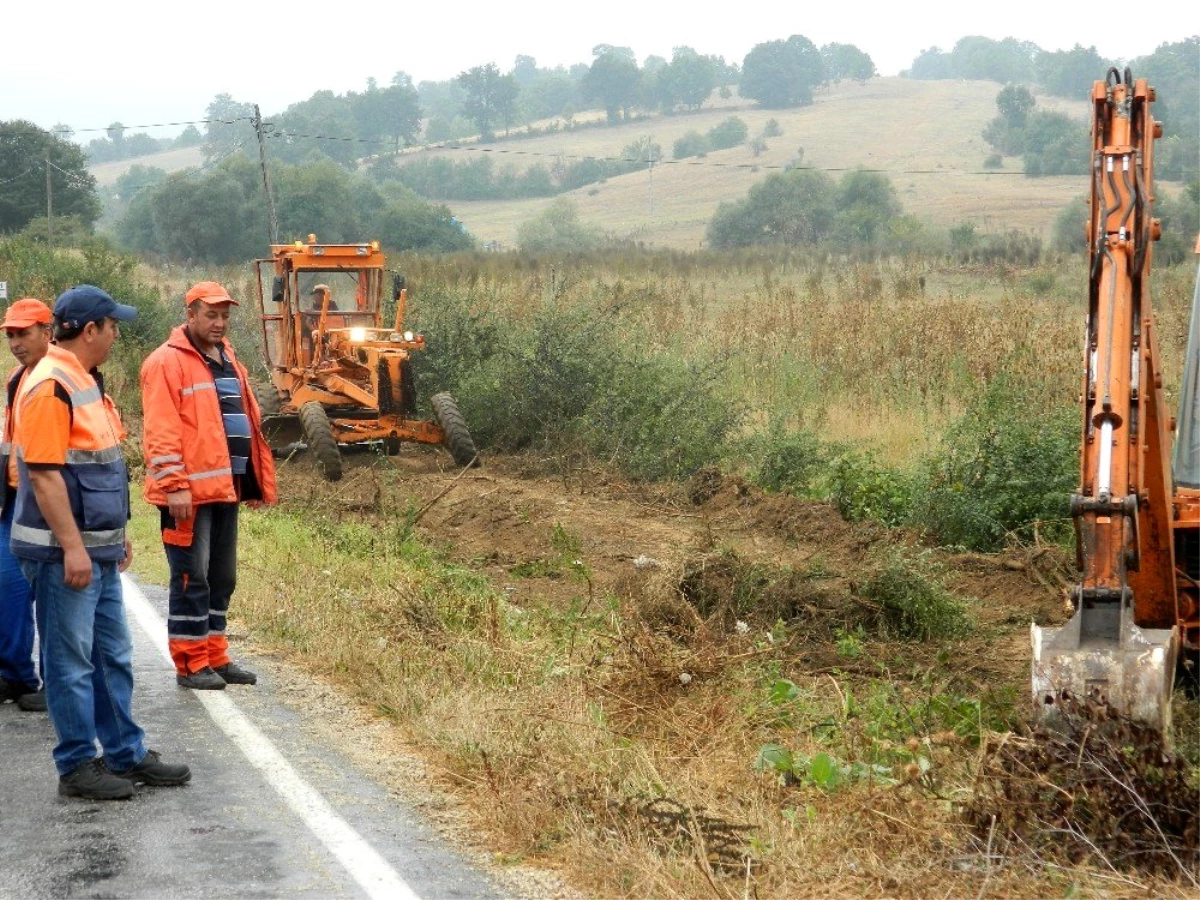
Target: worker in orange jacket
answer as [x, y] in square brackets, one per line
[205, 454]
[27, 326]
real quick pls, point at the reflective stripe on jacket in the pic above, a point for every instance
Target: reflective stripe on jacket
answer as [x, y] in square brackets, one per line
[94, 473]
[183, 432]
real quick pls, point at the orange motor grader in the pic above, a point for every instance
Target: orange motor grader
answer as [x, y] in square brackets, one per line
[1137, 514]
[338, 375]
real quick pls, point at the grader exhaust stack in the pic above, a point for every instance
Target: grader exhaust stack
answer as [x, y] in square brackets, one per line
[1135, 602]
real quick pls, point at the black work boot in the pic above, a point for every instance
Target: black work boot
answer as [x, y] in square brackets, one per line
[204, 680]
[153, 771]
[92, 781]
[35, 702]
[232, 673]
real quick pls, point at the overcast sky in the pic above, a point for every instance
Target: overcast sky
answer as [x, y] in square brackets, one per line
[88, 64]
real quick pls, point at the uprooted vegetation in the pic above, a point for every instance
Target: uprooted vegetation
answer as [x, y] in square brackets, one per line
[1097, 785]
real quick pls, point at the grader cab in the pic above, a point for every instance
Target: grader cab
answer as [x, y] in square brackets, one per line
[340, 376]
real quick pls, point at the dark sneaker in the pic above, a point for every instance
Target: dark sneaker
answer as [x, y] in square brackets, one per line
[35, 702]
[93, 781]
[232, 673]
[204, 680]
[153, 771]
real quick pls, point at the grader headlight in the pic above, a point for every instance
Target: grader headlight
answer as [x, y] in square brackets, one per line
[358, 335]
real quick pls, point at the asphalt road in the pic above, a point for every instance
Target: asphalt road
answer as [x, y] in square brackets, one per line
[270, 810]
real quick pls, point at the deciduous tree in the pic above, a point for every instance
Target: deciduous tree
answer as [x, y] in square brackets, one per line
[780, 74]
[613, 79]
[491, 98]
[25, 150]
[846, 61]
[229, 125]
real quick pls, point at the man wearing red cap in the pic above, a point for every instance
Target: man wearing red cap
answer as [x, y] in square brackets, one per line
[205, 454]
[27, 325]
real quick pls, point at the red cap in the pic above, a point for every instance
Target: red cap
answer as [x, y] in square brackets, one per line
[210, 292]
[25, 312]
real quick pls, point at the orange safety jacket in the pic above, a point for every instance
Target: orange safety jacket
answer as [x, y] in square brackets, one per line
[94, 472]
[8, 461]
[183, 433]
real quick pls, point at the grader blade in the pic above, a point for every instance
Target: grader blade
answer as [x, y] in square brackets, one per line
[1101, 656]
[282, 431]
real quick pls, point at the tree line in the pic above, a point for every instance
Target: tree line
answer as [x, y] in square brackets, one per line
[1173, 67]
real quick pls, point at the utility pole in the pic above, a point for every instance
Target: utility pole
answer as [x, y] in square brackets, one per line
[49, 206]
[262, 158]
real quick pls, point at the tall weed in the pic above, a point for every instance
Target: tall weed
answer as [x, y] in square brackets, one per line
[1004, 470]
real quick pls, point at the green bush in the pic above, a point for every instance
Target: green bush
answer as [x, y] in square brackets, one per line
[863, 488]
[35, 270]
[787, 460]
[1003, 469]
[558, 229]
[910, 600]
[728, 133]
[564, 379]
[693, 143]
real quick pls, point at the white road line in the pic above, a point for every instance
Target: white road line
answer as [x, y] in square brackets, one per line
[360, 859]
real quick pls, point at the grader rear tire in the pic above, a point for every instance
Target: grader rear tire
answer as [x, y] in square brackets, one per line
[458, 438]
[318, 433]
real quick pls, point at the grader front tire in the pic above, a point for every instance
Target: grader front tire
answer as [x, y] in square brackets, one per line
[458, 438]
[318, 433]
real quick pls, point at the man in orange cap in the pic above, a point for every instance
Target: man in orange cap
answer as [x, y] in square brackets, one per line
[205, 454]
[27, 325]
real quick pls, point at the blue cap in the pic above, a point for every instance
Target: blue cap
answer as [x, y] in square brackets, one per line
[85, 303]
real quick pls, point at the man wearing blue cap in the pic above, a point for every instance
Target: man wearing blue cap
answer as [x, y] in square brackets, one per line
[69, 533]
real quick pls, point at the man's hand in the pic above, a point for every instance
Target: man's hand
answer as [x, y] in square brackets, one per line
[124, 564]
[179, 505]
[77, 568]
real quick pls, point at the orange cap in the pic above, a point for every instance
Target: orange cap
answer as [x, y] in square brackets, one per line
[25, 312]
[210, 292]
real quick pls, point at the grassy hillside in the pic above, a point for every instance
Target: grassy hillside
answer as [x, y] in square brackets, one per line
[924, 134]
[168, 161]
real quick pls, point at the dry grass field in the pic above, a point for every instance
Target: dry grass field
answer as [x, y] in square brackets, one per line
[168, 161]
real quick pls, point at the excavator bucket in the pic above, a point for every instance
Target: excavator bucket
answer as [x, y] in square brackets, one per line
[1101, 656]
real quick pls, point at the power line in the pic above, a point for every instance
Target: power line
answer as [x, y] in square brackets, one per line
[18, 177]
[71, 130]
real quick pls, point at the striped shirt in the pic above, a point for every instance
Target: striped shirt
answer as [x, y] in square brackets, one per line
[233, 411]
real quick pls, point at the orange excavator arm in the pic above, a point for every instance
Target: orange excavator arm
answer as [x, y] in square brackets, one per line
[1120, 646]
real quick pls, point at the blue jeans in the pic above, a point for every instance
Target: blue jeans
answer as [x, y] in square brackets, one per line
[16, 614]
[88, 666]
